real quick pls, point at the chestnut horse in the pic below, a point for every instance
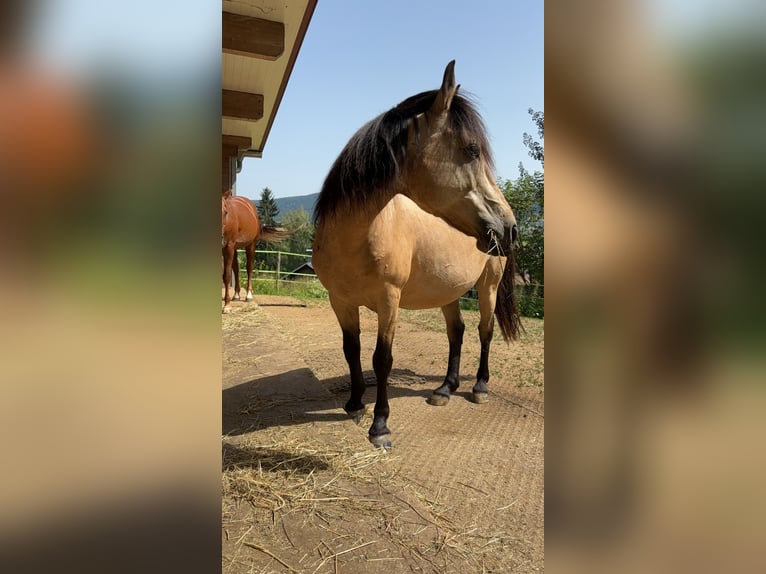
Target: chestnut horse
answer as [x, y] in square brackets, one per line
[410, 216]
[241, 228]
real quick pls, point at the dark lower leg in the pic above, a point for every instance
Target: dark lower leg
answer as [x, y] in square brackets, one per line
[455, 330]
[352, 350]
[348, 318]
[382, 360]
[482, 376]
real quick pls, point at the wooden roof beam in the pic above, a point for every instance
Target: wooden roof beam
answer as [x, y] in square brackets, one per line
[237, 142]
[241, 105]
[253, 37]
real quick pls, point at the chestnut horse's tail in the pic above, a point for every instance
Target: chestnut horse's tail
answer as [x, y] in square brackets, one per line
[274, 234]
[506, 309]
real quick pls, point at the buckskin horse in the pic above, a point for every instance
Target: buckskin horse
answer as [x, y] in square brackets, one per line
[241, 228]
[410, 216]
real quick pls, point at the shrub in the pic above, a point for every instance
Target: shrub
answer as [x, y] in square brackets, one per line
[531, 301]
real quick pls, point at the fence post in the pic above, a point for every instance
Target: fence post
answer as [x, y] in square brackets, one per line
[279, 267]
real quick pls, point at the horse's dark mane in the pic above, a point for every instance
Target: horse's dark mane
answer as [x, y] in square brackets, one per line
[375, 155]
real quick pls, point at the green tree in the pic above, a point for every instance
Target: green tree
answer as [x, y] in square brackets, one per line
[526, 195]
[299, 241]
[302, 237]
[268, 212]
[536, 149]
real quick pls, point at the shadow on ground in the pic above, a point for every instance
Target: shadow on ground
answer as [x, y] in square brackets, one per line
[298, 397]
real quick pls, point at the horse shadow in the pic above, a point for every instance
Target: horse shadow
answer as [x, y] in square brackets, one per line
[299, 397]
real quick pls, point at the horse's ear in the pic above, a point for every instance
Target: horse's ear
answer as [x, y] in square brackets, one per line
[446, 92]
[227, 194]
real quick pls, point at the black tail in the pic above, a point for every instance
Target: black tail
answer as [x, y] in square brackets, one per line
[506, 309]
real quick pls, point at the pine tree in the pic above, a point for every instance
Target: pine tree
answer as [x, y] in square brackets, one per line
[268, 212]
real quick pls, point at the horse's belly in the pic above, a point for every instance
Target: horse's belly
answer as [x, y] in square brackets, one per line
[429, 261]
[438, 281]
[423, 297]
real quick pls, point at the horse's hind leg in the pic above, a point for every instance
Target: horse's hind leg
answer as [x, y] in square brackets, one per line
[455, 330]
[348, 317]
[250, 257]
[228, 252]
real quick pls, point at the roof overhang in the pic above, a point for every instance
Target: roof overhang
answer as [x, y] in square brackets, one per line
[260, 43]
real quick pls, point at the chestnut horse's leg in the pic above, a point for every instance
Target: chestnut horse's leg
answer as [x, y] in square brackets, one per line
[229, 252]
[250, 257]
[455, 330]
[235, 274]
[487, 289]
[382, 359]
[348, 318]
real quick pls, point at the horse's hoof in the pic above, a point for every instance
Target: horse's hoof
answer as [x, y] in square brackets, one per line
[381, 441]
[356, 416]
[236, 297]
[479, 398]
[438, 400]
[226, 310]
[249, 297]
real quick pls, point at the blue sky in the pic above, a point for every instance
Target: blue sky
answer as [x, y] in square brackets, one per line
[361, 58]
[144, 39]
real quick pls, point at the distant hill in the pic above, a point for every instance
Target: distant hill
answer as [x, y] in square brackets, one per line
[285, 204]
[294, 202]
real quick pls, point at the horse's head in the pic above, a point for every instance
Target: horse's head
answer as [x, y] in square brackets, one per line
[449, 170]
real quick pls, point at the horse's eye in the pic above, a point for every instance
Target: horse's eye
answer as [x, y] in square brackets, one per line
[472, 150]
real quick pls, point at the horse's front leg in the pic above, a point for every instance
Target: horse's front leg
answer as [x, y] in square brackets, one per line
[348, 317]
[487, 290]
[382, 360]
[480, 394]
[455, 330]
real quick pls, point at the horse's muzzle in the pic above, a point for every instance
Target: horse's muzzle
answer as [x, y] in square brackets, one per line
[501, 238]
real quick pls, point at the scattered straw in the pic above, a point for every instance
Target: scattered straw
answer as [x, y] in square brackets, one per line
[272, 474]
[333, 480]
[275, 557]
[335, 556]
[474, 488]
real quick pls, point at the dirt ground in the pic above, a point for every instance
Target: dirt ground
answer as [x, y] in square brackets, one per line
[303, 489]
